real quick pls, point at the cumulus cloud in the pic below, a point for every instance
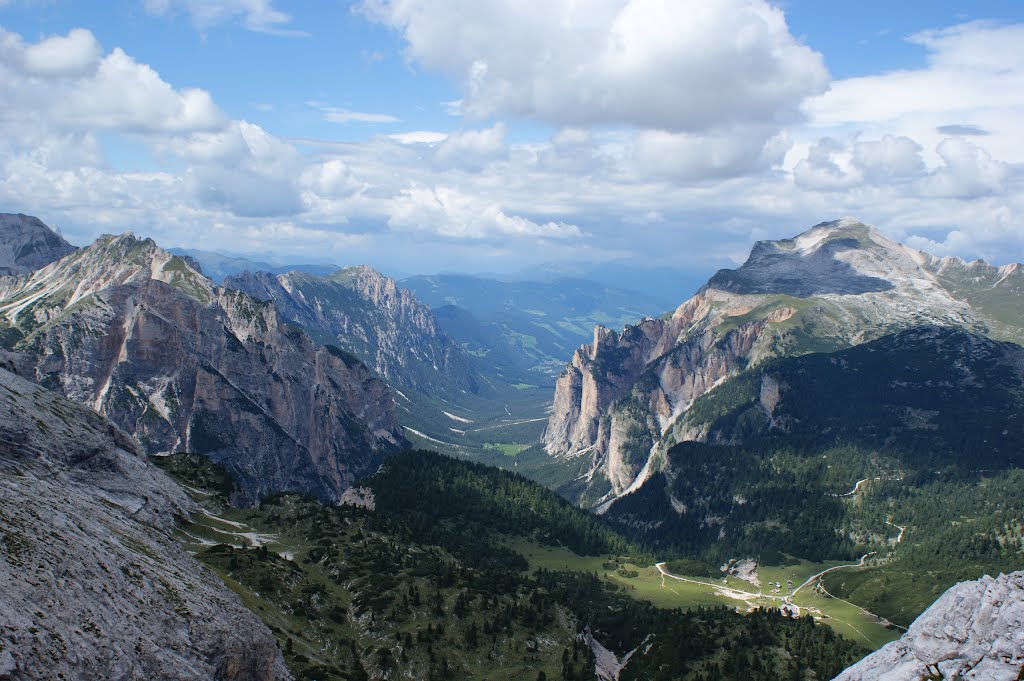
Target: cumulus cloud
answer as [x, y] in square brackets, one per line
[968, 171]
[676, 65]
[472, 149]
[887, 159]
[85, 91]
[244, 170]
[711, 156]
[661, 195]
[827, 167]
[74, 54]
[449, 213]
[126, 95]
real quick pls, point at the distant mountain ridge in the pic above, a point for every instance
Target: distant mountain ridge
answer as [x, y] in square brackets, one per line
[836, 285]
[143, 338]
[526, 327]
[219, 266]
[26, 244]
[367, 314]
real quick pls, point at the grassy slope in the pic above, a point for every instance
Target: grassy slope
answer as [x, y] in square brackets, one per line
[347, 590]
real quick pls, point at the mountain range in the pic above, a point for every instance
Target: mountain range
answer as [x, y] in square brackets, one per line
[183, 365]
[841, 414]
[618, 404]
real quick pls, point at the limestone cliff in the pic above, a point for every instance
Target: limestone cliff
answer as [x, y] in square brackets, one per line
[93, 584]
[975, 632]
[838, 284]
[183, 365]
[367, 314]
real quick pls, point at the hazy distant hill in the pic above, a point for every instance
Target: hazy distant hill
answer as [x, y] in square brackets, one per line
[218, 266]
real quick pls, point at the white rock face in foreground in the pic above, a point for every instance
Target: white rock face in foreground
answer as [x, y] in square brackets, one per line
[974, 631]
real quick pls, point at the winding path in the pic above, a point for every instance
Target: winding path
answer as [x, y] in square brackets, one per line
[727, 591]
[814, 578]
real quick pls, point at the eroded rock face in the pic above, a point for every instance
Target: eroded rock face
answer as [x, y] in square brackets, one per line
[839, 284]
[974, 631]
[92, 584]
[367, 314]
[26, 244]
[183, 365]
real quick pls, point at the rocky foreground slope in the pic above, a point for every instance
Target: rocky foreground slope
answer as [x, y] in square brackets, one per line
[92, 584]
[835, 286]
[975, 631]
[26, 244]
[144, 339]
[367, 314]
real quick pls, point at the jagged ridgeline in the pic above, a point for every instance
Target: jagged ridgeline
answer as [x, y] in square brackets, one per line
[366, 313]
[427, 579]
[145, 339]
[837, 285]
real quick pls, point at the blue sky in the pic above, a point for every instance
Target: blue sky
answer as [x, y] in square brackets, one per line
[501, 136]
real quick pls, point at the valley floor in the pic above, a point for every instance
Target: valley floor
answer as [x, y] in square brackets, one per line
[667, 590]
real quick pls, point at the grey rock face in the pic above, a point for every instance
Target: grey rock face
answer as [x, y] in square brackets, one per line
[92, 584]
[367, 314]
[26, 244]
[183, 365]
[974, 631]
[837, 285]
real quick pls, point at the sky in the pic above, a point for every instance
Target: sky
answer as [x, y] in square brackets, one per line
[515, 136]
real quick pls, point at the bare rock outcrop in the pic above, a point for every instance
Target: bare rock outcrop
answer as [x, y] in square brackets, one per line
[92, 584]
[975, 632]
[26, 244]
[183, 365]
[839, 284]
[367, 314]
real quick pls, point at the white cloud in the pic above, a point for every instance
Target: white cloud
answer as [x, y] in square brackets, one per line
[968, 171]
[74, 54]
[244, 170]
[254, 15]
[973, 82]
[690, 157]
[126, 95]
[677, 65]
[889, 158]
[419, 137]
[83, 91]
[590, 192]
[335, 115]
[473, 149]
[449, 213]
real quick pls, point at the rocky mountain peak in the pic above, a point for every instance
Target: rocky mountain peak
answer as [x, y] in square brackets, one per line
[145, 339]
[845, 257]
[112, 260]
[26, 244]
[839, 284]
[382, 290]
